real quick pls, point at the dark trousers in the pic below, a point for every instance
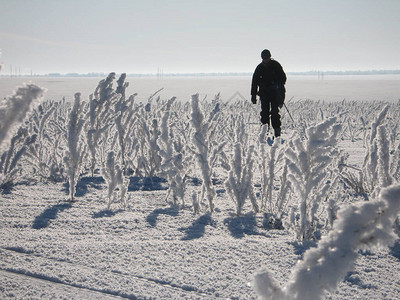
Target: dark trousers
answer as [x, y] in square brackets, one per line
[270, 107]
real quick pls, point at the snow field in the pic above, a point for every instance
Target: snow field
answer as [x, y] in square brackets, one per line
[132, 233]
[155, 251]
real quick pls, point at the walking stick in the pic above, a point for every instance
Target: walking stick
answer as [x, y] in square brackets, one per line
[288, 112]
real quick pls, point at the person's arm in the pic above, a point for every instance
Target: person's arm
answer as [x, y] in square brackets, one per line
[254, 82]
[281, 74]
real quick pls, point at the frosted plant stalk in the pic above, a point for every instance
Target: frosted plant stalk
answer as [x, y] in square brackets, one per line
[385, 178]
[45, 155]
[76, 147]
[12, 113]
[149, 159]
[370, 166]
[366, 225]
[9, 159]
[173, 166]
[240, 178]
[125, 120]
[310, 172]
[270, 159]
[201, 143]
[14, 109]
[101, 117]
[115, 179]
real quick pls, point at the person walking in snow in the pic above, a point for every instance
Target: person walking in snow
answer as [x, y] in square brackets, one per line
[269, 83]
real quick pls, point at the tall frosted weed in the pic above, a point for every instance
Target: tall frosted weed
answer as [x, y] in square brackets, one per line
[361, 226]
[76, 149]
[13, 110]
[312, 168]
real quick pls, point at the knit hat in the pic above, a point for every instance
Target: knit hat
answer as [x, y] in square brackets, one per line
[265, 54]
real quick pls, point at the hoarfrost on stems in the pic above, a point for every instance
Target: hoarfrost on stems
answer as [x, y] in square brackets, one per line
[76, 146]
[115, 179]
[125, 120]
[370, 166]
[9, 167]
[173, 164]
[311, 173]
[205, 154]
[101, 117]
[239, 183]
[149, 159]
[270, 160]
[365, 225]
[14, 109]
[46, 154]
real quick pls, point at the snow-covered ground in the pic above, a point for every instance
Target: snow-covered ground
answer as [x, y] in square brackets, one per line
[51, 249]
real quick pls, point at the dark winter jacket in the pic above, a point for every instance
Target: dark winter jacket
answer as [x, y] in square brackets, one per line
[267, 76]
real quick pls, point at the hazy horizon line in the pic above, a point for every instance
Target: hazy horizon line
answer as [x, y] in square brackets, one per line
[199, 74]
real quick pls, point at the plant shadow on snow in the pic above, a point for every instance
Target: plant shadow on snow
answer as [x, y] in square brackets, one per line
[172, 211]
[106, 213]
[353, 278]
[50, 213]
[147, 184]
[82, 187]
[198, 228]
[239, 226]
[301, 247]
[7, 188]
[395, 250]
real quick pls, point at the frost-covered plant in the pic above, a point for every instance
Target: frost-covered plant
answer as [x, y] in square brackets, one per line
[206, 147]
[149, 159]
[101, 117]
[271, 157]
[371, 161]
[12, 112]
[395, 165]
[116, 181]
[46, 154]
[381, 162]
[14, 109]
[174, 165]
[385, 178]
[239, 183]
[195, 203]
[76, 145]
[9, 167]
[275, 187]
[127, 141]
[366, 225]
[125, 121]
[312, 172]
[122, 85]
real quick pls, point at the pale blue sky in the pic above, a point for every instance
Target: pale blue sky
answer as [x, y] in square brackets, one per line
[140, 36]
